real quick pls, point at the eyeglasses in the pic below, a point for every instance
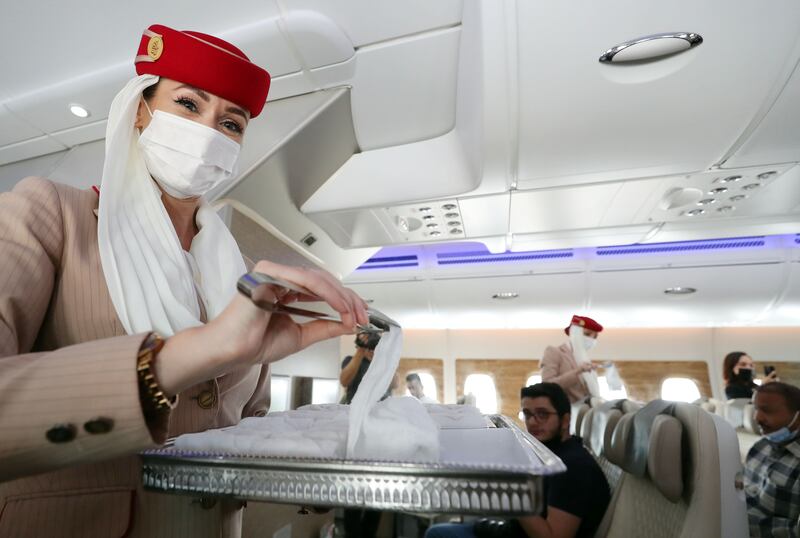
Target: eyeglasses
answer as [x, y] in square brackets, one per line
[539, 414]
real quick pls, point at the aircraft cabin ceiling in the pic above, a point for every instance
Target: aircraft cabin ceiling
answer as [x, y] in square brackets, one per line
[425, 122]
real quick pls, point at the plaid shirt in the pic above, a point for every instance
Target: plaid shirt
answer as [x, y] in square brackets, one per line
[772, 489]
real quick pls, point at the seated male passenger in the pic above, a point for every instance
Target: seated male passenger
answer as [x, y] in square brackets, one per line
[575, 501]
[772, 468]
[415, 388]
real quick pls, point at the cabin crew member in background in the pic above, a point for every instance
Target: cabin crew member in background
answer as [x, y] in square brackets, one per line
[120, 325]
[414, 386]
[569, 364]
[575, 501]
[739, 372]
[772, 467]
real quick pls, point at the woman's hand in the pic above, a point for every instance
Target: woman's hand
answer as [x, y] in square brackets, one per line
[244, 334]
[586, 367]
[773, 376]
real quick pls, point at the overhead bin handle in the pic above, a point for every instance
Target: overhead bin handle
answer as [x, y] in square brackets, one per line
[651, 47]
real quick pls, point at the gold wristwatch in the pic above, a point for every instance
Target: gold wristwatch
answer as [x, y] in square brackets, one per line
[152, 397]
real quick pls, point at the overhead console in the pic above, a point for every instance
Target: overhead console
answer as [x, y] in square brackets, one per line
[555, 146]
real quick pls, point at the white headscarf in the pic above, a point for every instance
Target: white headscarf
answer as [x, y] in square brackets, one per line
[576, 337]
[147, 271]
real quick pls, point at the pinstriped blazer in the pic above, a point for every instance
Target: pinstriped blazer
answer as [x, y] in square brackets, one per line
[558, 365]
[65, 359]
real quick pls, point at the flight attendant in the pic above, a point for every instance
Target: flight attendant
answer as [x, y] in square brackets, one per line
[120, 325]
[568, 364]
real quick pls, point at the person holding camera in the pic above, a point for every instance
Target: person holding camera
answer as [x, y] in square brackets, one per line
[738, 371]
[355, 366]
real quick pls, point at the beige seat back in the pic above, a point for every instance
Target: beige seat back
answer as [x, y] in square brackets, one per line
[579, 410]
[734, 411]
[749, 433]
[686, 489]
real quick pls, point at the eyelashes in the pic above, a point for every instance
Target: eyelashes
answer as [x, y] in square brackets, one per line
[191, 105]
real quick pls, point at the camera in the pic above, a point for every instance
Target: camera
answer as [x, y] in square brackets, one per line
[368, 340]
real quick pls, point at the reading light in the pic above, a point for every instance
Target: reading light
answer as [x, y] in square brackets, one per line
[79, 111]
[679, 290]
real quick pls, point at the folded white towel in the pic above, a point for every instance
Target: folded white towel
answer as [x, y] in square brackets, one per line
[452, 417]
[397, 429]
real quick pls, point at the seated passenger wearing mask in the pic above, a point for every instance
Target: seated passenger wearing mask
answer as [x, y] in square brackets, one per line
[568, 364]
[575, 501]
[772, 467]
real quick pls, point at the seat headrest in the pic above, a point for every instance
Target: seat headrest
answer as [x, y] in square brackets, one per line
[585, 432]
[664, 456]
[638, 442]
[615, 449]
[601, 427]
[629, 406]
[749, 420]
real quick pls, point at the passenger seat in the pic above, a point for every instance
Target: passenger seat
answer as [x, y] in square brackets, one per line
[579, 410]
[683, 485]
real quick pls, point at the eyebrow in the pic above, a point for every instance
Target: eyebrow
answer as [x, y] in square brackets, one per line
[204, 96]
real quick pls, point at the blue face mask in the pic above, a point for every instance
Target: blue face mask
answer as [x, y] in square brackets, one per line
[784, 434]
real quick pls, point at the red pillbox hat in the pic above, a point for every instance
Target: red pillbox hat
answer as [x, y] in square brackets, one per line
[586, 323]
[203, 61]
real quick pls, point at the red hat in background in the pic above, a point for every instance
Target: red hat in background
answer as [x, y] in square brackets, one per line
[586, 323]
[203, 61]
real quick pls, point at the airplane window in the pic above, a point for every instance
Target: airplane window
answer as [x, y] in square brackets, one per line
[428, 385]
[608, 394]
[532, 380]
[279, 393]
[482, 387]
[679, 389]
[324, 391]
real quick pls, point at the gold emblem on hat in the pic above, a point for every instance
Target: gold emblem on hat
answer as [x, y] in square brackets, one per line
[582, 322]
[155, 47]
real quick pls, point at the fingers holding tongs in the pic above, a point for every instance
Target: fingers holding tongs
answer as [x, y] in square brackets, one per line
[250, 282]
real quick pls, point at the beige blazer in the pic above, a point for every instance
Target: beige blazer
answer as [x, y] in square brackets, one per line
[65, 362]
[558, 365]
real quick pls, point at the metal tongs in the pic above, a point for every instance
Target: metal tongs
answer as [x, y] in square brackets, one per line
[249, 282]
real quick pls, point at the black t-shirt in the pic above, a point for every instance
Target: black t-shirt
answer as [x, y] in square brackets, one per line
[732, 390]
[581, 491]
[362, 370]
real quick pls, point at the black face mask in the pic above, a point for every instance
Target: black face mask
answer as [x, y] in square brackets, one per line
[745, 375]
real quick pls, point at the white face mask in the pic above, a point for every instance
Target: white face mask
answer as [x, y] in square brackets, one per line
[588, 342]
[186, 158]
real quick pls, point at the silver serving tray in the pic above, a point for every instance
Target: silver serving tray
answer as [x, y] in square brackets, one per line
[489, 487]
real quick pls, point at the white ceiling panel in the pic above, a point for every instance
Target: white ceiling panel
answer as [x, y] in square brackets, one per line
[60, 40]
[777, 138]
[83, 134]
[371, 21]
[11, 174]
[561, 209]
[13, 129]
[468, 303]
[82, 166]
[735, 294]
[679, 114]
[786, 308]
[29, 149]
